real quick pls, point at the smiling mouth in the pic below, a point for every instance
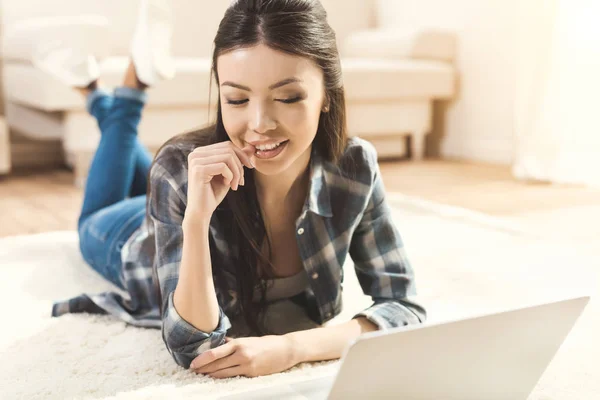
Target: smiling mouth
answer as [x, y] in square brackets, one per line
[268, 147]
[270, 151]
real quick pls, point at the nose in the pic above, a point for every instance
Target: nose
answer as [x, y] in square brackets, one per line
[260, 120]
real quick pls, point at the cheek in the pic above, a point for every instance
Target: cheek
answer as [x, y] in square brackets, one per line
[301, 122]
[234, 124]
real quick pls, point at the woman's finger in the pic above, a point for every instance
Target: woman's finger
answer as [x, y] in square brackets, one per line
[210, 171]
[212, 355]
[226, 362]
[236, 157]
[228, 372]
[230, 159]
[245, 154]
[201, 153]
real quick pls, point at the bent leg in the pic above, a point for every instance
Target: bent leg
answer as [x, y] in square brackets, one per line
[143, 161]
[99, 102]
[113, 167]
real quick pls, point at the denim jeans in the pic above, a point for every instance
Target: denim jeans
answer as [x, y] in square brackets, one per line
[114, 202]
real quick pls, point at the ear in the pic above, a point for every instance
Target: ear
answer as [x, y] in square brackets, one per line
[326, 105]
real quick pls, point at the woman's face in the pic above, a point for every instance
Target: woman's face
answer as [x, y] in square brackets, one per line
[271, 98]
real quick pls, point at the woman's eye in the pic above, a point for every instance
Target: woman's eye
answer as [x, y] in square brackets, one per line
[237, 102]
[290, 100]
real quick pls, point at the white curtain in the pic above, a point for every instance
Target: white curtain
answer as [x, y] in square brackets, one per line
[557, 127]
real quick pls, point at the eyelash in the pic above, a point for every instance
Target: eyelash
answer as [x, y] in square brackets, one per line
[286, 101]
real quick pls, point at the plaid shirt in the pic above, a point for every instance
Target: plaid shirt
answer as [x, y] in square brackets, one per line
[360, 226]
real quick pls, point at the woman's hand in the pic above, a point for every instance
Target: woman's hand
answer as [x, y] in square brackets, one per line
[212, 171]
[251, 357]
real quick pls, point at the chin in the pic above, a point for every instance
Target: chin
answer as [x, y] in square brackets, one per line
[271, 167]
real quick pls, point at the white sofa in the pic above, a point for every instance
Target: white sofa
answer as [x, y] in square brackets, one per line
[391, 79]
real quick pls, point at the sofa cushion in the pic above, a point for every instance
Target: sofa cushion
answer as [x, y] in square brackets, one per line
[382, 80]
[383, 43]
[364, 79]
[29, 86]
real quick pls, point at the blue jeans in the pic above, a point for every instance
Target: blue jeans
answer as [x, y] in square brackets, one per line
[114, 202]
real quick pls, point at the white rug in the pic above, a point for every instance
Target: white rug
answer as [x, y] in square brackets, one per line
[465, 262]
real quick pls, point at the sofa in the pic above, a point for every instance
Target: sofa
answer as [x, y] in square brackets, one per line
[391, 76]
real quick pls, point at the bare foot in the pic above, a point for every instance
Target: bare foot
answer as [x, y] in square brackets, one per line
[131, 80]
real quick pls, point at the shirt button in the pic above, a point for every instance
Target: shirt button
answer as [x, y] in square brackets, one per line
[300, 231]
[315, 275]
[328, 315]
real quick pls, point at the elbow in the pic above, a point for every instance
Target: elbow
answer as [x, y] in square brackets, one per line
[185, 352]
[184, 341]
[394, 313]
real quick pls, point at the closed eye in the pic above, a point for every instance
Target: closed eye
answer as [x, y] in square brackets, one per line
[237, 102]
[286, 101]
[291, 100]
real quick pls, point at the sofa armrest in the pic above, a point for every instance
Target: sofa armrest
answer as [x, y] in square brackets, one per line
[381, 43]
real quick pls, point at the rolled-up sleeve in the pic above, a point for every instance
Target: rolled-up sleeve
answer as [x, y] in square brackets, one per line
[166, 206]
[381, 264]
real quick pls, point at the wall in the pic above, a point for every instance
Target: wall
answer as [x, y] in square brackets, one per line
[479, 123]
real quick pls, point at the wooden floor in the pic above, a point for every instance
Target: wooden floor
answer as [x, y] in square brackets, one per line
[39, 201]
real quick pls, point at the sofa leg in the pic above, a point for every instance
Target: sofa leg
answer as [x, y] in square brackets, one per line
[5, 162]
[417, 146]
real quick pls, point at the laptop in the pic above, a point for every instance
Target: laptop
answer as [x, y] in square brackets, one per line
[495, 356]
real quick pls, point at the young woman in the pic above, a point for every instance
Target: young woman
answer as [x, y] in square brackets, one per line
[250, 216]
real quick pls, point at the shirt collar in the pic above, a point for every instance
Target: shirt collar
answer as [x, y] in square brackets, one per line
[318, 200]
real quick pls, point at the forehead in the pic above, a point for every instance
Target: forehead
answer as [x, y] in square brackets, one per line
[260, 66]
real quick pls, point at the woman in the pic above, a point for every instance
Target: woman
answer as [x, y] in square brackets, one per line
[258, 210]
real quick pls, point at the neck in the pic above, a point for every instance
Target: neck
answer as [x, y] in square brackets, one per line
[287, 188]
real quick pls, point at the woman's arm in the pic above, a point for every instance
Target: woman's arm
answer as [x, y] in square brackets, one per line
[380, 260]
[256, 356]
[327, 343]
[195, 298]
[178, 250]
[185, 191]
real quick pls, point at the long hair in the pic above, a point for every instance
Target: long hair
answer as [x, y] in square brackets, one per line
[296, 27]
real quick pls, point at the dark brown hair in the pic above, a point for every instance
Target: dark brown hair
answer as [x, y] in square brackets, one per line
[296, 27]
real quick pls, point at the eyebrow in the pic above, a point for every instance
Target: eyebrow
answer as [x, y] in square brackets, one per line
[273, 86]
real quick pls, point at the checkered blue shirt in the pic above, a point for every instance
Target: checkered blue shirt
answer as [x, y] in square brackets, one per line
[345, 213]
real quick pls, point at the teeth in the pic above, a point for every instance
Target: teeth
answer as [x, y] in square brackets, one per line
[267, 147]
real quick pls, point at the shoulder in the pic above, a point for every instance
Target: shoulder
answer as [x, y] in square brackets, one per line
[358, 162]
[361, 150]
[170, 165]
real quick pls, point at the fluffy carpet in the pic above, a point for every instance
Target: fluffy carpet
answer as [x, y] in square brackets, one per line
[466, 263]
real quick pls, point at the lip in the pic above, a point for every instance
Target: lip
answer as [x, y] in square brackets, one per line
[265, 142]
